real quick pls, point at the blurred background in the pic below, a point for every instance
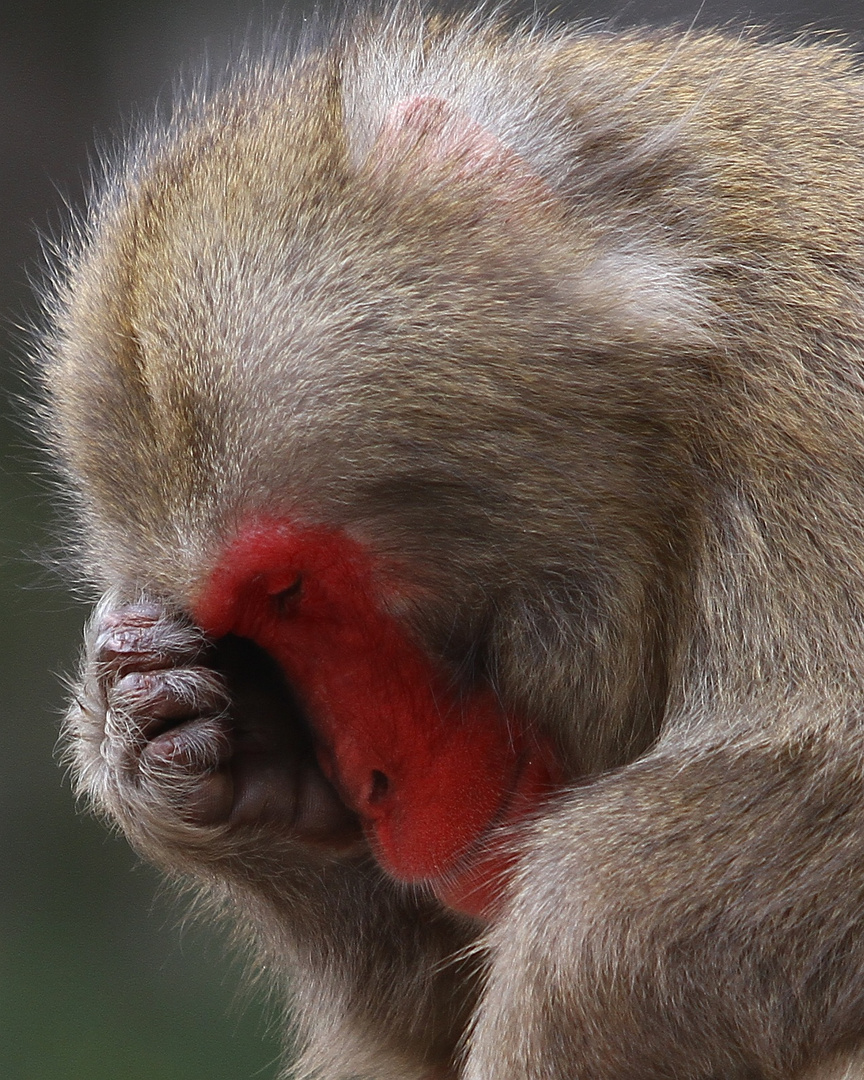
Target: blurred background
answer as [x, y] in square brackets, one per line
[99, 977]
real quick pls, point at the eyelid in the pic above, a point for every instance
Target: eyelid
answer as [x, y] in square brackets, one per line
[283, 598]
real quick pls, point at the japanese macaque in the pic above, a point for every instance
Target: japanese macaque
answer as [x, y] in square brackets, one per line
[467, 426]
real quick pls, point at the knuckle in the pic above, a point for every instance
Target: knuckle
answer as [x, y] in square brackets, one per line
[141, 637]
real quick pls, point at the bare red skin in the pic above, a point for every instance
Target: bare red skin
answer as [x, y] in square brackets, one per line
[428, 771]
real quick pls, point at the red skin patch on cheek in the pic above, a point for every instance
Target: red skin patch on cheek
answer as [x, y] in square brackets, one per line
[428, 770]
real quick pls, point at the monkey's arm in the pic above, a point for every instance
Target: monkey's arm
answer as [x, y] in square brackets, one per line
[696, 915]
[198, 753]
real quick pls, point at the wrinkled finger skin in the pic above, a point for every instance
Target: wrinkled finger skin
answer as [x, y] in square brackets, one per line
[198, 735]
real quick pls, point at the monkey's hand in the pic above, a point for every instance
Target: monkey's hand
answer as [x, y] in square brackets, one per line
[188, 744]
[198, 751]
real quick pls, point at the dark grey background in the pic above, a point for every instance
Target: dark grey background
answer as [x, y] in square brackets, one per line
[99, 979]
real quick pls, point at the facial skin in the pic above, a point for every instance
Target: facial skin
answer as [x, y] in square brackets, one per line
[428, 767]
[468, 437]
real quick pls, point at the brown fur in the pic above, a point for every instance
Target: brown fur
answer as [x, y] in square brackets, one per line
[617, 435]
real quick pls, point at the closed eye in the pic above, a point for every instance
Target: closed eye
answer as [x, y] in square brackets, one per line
[285, 601]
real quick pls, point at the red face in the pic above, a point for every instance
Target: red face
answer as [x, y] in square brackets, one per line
[429, 770]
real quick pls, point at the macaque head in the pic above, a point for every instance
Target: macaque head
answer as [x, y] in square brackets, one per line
[299, 372]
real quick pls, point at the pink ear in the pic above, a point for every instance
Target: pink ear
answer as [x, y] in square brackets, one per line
[427, 134]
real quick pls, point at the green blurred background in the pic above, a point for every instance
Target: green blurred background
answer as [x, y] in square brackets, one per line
[99, 978]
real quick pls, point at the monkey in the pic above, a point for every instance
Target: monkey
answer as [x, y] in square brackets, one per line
[464, 423]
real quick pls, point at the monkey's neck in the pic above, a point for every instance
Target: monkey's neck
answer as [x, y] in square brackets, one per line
[430, 771]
